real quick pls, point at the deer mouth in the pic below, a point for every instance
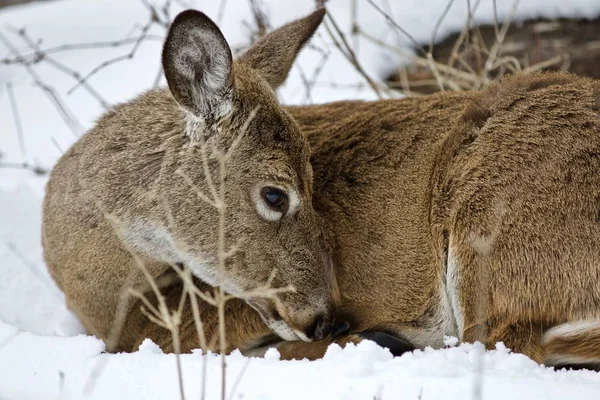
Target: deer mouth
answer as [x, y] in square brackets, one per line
[275, 321]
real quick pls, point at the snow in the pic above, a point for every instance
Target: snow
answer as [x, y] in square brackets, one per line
[45, 367]
[44, 353]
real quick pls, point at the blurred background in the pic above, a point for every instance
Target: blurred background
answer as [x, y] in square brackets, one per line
[64, 62]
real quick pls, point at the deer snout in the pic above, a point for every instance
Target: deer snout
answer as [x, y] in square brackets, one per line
[311, 326]
[321, 330]
[294, 322]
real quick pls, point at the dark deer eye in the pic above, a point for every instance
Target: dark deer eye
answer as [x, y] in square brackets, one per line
[276, 199]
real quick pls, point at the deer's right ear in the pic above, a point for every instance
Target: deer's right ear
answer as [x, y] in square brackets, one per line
[197, 63]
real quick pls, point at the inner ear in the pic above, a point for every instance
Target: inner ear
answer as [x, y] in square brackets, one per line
[197, 63]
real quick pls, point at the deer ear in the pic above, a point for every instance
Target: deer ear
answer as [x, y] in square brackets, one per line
[274, 54]
[197, 63]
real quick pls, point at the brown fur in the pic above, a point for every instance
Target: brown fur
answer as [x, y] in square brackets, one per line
[573, 344]
[118, 193]
[506, 179]
[469, 214]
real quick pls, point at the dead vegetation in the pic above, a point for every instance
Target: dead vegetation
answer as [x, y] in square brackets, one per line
[467, 60]
[559, 45]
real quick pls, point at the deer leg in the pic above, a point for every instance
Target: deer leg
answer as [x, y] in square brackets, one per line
[298, 350]
[524, 338]
[314, 350]
[243, 326]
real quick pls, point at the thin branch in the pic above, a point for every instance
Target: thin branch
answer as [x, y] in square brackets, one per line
[198, 191]
[423, 61]
[239, 378]
[36, 169]
[59, 66]
[17, 119]
[240, 134]
[39, 55]
[68, 117]
[221, 11]
[438, 23]
[32, 268]
[82, 80]
[489, 64]
[393, 23]
[349, 53]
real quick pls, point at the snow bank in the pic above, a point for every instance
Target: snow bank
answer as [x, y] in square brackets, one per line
[37, 367]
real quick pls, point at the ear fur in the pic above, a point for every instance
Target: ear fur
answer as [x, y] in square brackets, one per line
[198, 65]
[273, 55]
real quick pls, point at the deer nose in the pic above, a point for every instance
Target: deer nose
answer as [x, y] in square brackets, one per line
[322, 329]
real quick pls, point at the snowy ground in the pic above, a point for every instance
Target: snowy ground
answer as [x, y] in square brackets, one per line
[41, 356]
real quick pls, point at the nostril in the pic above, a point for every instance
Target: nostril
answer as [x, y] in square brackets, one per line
[322, 329]
[339, 329]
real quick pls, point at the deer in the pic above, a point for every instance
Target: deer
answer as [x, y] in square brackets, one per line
[469, 214]
[121, 195]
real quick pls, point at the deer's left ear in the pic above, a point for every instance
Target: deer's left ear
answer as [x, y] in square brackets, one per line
[274, 54]
[197, 63]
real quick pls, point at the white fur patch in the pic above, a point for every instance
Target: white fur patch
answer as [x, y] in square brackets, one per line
[574, 328]
[196, 125]
[564, 359]
[283, 330]
[302, 336]
[156, 242]
[453, 292]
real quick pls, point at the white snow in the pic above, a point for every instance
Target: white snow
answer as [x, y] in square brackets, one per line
[41, 356]
[45, 367]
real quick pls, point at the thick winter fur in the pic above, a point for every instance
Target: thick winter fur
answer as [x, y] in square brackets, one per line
[136, 189]
[471, 214]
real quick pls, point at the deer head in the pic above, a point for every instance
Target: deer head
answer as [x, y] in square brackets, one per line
[243, 170]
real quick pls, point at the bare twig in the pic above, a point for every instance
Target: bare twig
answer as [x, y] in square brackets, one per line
[260, 19]
[464, 34]
[354, 27]
[239, 378]
[17, 119]
[21, 138]
[424, 62]
[39, 55]
[490, 62]
[82, 80]
[309, 82]
[201, 338]
[393, 23]
[347, 51]
[32, 268]
[162, 316]
[221, 11]
[438, 23]
[68, 117]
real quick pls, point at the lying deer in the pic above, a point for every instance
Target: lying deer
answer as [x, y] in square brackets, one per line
[475, 214]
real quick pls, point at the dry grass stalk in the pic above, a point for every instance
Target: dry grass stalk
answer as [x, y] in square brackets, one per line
[340, 41]
[488, 63]
[159, 313]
